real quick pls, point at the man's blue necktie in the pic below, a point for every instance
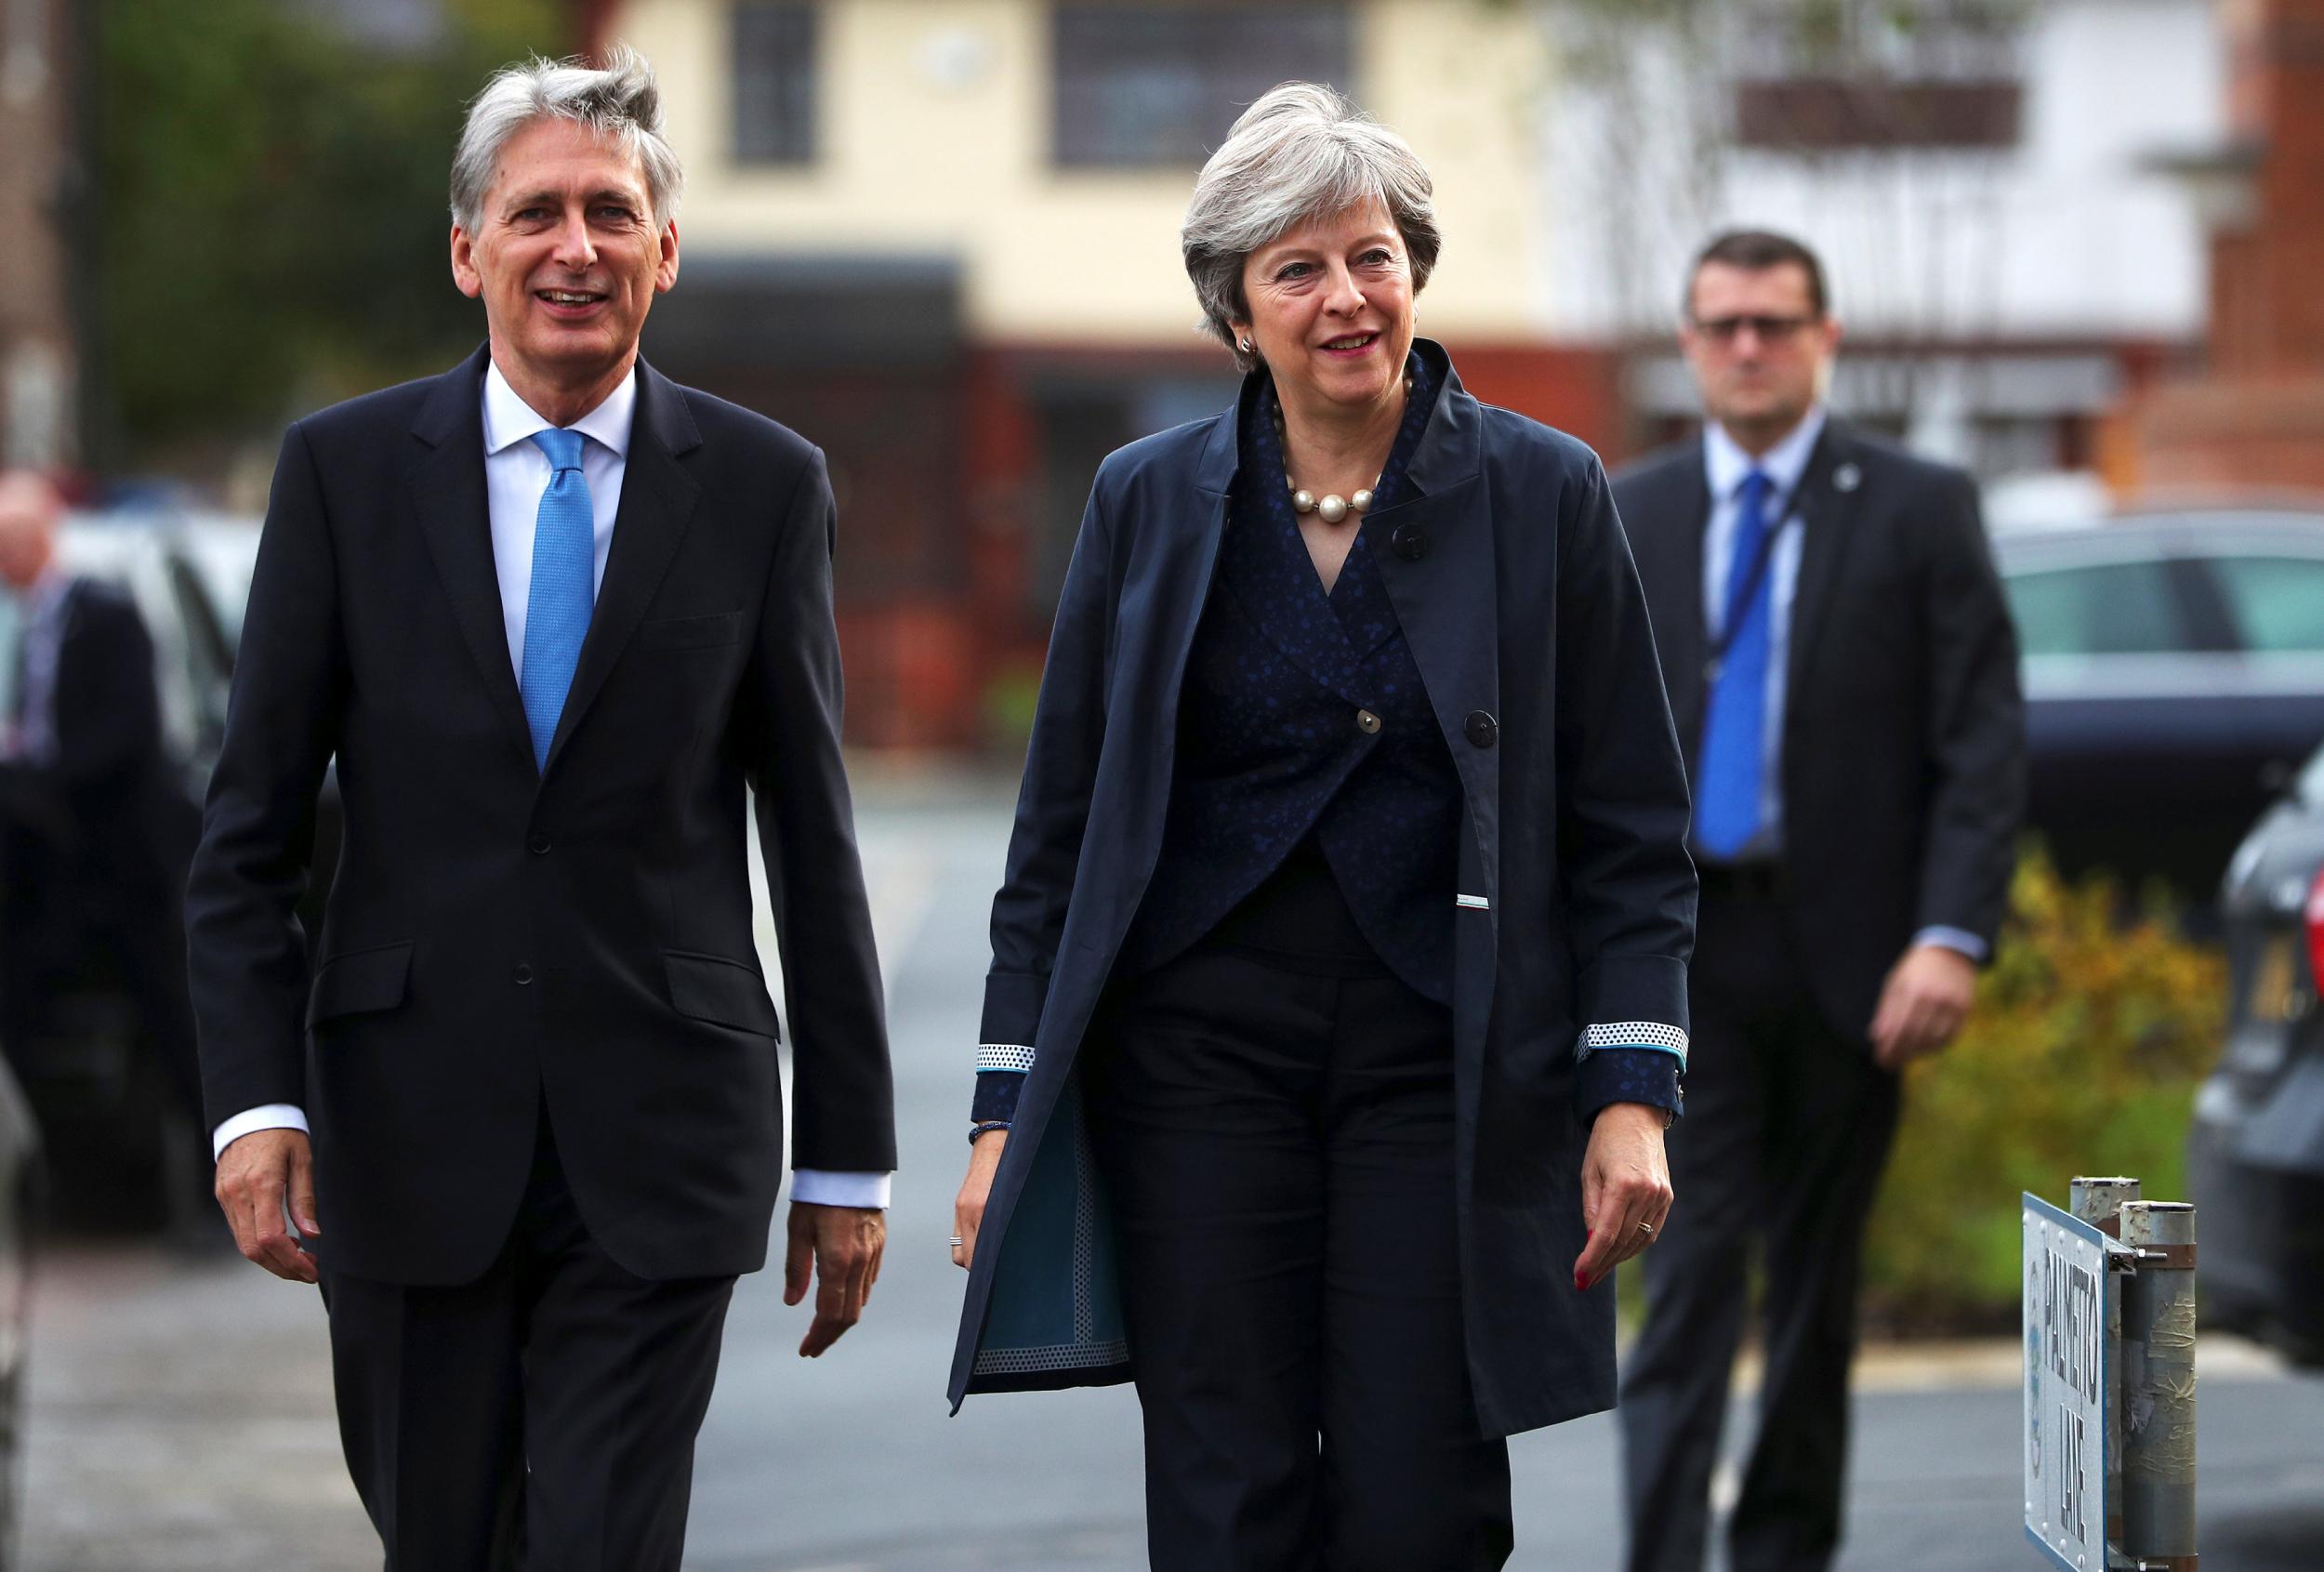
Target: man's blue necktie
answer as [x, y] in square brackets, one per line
[564, 589]
[1735, 730]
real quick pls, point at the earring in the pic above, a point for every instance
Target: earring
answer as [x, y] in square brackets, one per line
[1245, 345]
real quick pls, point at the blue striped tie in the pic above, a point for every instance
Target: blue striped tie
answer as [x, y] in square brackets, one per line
[564, 589]
[1734, 732]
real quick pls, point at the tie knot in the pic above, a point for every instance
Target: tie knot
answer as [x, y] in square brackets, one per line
[564, 447]
[1755, 488]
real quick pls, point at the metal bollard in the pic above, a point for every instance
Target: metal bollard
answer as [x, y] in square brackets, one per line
[2158, 1386]
[2099, 1202]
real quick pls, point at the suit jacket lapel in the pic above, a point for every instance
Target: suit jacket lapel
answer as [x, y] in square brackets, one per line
[1830, 473]
[658, 502]
[447, 489]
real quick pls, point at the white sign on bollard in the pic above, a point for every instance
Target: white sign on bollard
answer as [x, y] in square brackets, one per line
[2070, 1302]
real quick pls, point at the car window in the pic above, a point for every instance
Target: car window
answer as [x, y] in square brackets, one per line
[2277, 602]
[2106, 609]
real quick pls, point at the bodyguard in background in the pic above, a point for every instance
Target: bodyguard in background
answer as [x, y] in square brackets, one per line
[95, 827]
[1338, 997]
[1843, 675]
[558, 618]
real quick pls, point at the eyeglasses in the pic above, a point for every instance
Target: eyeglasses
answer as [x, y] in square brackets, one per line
[1768, 330]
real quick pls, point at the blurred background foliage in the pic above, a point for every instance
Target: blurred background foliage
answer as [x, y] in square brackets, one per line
[2090, 1037]
[262, 173]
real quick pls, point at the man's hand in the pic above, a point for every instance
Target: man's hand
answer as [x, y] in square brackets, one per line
[967, 1207]
[258, 1177]
[1625, 1182]
[1923, 1004]
[840, 1246]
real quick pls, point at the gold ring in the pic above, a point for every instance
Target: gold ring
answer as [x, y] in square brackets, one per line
[1645, 1228]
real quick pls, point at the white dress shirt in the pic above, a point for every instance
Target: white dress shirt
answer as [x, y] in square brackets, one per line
[516, 474]
[1725, 467]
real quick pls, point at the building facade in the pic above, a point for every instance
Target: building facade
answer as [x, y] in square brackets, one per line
[2010, 259]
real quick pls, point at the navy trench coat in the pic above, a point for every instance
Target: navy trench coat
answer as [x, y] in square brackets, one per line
[1517, 596]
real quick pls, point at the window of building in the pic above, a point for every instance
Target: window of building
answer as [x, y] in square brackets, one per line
[1874, 75]
[1157, 85]
[774, 83]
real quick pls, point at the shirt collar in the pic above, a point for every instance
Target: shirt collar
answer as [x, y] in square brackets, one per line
[509, 420]
[1725, 464]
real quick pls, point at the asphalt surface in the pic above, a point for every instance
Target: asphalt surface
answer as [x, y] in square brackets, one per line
[180, 1416]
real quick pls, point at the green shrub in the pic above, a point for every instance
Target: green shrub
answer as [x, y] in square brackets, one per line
[2090, 1037]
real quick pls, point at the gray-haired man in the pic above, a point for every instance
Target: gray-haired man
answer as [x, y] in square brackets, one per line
[551, 613]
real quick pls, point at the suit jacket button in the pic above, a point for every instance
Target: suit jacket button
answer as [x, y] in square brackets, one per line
[1483, 730]
[1366, 722]
[540, 844]
[1410, 541]
[525, 975]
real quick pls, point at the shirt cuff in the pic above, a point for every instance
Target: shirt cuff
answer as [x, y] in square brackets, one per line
[1626, 1074]
[271, 1116]
[828, 1187]
[996, 1095]
[1959, 940]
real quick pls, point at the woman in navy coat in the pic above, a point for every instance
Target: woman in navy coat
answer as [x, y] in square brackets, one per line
[1338, 997]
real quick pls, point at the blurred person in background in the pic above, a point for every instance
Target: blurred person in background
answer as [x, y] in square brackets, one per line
[1337, 998]
[553, 614]
[93, 823]
[1844, 676]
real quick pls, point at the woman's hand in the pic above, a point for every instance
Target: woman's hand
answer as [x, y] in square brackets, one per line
[1625, 1183]
[967, 1209]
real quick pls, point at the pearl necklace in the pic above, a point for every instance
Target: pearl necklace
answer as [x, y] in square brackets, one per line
[1331, 508]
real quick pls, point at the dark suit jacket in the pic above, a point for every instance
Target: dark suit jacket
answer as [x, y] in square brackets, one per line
[1516, 595]
[96, 837]
[1903, 752]
[496, 936]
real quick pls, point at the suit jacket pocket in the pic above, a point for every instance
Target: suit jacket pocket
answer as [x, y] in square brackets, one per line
[690, 632]
[358, 980]
[725, 992]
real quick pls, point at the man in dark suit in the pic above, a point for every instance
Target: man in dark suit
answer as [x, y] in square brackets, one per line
[94, 825]
[551, 613]
[1843, 675]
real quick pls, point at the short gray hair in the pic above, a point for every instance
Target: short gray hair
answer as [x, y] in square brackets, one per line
[619, 102]
[1302, 151]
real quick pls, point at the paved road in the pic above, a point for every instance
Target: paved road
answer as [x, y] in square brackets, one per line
[180, 1417]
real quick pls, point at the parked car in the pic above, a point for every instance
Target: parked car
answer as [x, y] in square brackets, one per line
[2255, 1154]
[2174, 681]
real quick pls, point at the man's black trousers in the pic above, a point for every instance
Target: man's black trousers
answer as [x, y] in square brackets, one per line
[542, 1417]
[1788, 1126]
[1278, 1136]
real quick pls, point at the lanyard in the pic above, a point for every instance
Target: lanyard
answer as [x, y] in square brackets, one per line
[1745, 592]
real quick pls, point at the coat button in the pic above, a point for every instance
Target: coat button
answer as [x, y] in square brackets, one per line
[1366, 722]
[1483, 730]
[1410, 541]
[540, 843]
[525, 975]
